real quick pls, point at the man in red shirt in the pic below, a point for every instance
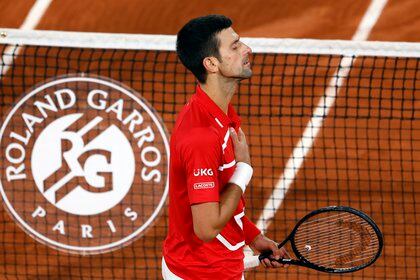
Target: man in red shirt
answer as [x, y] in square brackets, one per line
[210, 165]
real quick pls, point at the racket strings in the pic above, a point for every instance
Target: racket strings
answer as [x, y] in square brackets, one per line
[325, 227]
[339, 250]
[321, 233]
[327, 230]
[336, 240]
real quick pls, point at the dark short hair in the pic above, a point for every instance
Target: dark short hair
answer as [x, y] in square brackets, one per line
[198, 40]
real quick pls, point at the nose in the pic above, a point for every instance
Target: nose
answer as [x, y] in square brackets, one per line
[248, 49]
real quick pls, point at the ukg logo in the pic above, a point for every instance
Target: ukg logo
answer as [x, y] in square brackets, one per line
[84, 164]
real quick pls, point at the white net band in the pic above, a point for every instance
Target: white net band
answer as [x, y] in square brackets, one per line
[167, 42]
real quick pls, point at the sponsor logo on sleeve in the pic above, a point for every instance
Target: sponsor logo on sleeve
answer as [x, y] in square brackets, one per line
[203, 172]
[203, 185]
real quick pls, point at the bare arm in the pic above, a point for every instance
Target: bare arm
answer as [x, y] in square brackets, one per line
[209, 218]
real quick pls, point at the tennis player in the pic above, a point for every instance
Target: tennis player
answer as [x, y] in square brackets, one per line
[210, 165]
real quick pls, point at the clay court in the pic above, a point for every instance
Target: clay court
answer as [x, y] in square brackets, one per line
[366, 154]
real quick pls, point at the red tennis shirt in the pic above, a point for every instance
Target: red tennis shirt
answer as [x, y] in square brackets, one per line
[202, 161]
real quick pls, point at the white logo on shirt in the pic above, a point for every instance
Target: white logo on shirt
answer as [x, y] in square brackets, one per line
[203, 172]
[203, 185]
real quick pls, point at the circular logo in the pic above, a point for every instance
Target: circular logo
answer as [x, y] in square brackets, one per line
[84, 164]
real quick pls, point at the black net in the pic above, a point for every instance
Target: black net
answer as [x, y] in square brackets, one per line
[365, 154]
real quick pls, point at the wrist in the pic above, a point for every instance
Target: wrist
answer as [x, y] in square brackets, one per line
[242, 175]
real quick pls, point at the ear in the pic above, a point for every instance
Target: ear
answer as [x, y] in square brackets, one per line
[211, 64]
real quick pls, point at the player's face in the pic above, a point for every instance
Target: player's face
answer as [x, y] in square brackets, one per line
[234, 54]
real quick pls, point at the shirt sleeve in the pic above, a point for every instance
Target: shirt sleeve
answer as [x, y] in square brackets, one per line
[250, 230]
[201, 156]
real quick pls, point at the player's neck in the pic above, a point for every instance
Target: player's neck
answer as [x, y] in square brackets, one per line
[221, 92]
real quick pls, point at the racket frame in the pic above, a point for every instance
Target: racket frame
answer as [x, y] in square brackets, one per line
[302, 261]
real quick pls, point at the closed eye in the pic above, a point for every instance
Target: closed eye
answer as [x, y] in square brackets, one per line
[235, 44]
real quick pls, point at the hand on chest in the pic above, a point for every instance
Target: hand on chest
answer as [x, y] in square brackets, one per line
[227, 164]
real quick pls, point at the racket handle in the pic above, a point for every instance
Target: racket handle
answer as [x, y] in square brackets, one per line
[264, 255]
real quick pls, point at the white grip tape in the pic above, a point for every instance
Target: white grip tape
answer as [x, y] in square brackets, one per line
[242, 175]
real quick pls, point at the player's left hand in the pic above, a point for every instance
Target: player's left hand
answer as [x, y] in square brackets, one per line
[263, 244]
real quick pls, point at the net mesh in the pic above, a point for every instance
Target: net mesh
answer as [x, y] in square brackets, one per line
[323, 129]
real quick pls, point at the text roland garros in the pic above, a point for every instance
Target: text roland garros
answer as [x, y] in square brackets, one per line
[84, 164]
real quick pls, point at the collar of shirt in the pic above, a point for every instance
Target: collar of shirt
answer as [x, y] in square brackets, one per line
[230, 120]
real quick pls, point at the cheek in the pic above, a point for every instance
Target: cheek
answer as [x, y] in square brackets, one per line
[232, 62]
[227, 60]
[226, 63]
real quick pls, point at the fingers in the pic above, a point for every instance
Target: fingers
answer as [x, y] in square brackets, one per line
[240, 146]
[241, 135]
[277, 254]
[233, 135]
[272, 263]
[283, 254]
[276, 251]
[237, 137]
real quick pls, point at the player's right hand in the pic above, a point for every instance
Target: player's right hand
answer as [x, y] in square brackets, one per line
[240, 146]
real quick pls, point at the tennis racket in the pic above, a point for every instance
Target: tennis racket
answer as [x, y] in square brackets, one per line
[333, 239]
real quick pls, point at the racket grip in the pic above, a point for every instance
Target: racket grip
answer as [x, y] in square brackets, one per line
[265, 255]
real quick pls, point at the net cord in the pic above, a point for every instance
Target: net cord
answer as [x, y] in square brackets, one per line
[167, 43]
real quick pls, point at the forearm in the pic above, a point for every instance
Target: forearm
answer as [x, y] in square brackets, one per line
[229, 199]
[210, 218]
[233, 191]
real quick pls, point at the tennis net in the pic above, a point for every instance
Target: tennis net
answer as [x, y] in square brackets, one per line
[85, 123]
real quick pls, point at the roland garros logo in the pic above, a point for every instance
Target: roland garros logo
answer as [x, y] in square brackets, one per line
[84, 164]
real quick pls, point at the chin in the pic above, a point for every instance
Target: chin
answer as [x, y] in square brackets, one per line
[247, 74]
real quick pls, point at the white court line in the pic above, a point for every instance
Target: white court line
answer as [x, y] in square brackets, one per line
[310, 133]
[30, 22]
